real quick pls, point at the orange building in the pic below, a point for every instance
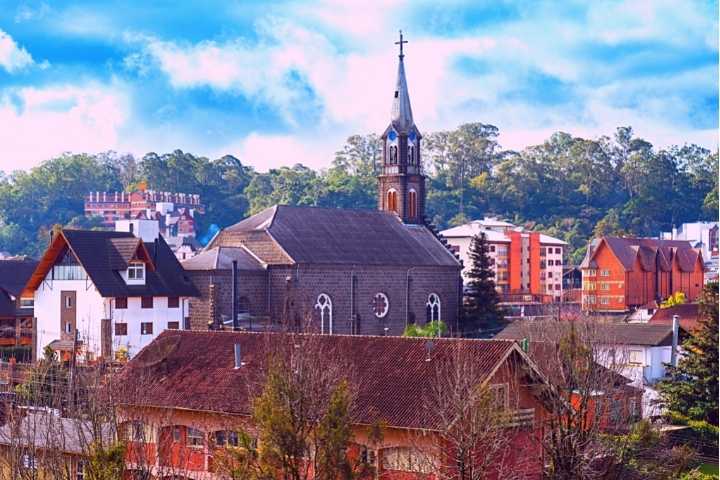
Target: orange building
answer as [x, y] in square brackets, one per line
[193, 397]
[622, 274]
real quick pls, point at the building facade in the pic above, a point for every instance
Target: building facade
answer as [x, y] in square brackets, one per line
[623, 274]
[101, 294]
[703, 236]
[337, 271]
[528, 265]
[16, 313]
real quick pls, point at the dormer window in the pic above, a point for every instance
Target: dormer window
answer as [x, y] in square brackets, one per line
[136, 273]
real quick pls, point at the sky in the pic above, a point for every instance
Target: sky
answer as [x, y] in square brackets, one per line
[287, 82]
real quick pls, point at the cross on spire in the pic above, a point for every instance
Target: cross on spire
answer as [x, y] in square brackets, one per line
[401, 44]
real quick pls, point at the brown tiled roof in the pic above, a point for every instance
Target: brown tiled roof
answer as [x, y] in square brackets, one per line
[689, 314]
[221, 258]
[314, 235]
[103, 254]
[194, 370]
[610, 333]
[628, 249]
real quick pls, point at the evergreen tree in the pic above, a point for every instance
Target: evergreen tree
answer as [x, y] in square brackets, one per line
[481, 299]
[691, 388]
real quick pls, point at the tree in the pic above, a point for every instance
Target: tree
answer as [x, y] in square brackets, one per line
[677, 298]
[481, 311]
[434, 328]
[691, 388]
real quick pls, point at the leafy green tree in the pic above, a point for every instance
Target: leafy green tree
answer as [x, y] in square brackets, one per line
[481, 311]
[691, 388]
[434, 328]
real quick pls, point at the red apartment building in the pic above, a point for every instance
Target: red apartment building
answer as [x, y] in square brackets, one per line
[528, 265]
[193, 396]
[622, 274]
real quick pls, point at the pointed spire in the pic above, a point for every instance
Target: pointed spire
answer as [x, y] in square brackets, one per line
[401, 114]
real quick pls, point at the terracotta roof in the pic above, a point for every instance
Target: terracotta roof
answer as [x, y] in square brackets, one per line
[195, 370]
[221, 258]
[606, 333]
[646, 250]
[104, 254]
[315, 235]
[689, 314]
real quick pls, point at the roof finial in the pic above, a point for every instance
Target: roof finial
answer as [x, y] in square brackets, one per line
[401, 44]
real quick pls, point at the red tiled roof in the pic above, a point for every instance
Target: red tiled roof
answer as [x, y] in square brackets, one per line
[195, 370]
[627, 249]
[689, 314]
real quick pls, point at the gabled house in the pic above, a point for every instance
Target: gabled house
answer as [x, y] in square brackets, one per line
[16, 313]
[188, 393]
[624, 274]
[99, 293]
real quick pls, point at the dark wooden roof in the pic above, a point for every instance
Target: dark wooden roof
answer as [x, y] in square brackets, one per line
[14, 274]
[604, 333]
[195, 370]
[104, 254]
[314, 235]
[646, 250]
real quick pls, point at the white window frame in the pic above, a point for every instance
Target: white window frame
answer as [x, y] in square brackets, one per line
[432, 301]
[324, 305]
[633, 357]
[384, 313]
[195, 434]
[135, 274]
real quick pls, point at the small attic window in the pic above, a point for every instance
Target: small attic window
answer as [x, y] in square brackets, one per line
[136, 273]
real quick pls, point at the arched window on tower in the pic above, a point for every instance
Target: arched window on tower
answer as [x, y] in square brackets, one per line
[412, 204]
[393, 154]
[433, 307]
[324, 305]
[392, 203]
[411, 154]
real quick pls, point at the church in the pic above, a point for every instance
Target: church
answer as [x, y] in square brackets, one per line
[336, 271]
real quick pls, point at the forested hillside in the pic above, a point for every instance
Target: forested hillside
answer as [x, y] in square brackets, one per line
[569, 187]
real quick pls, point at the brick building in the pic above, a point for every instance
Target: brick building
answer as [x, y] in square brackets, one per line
[623, 274]
[187, 396]
[337, 270]
[16, 313]
[528, 265]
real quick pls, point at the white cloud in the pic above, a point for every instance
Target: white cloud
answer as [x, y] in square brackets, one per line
[12, 56]
[39, 123]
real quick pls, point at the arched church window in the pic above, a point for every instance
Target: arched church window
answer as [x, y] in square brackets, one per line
[412, 203]
[411, 154]
[433, 307]
[324, 305]
[393, 154]
[392, 203]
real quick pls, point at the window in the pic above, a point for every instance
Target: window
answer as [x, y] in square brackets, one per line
[411, 154]
[146, 328]
[68, 327]
[616, 411]
[177, 434]
[633, 409]
[502, 250]
[380, 305]
[604, 286]
[412, 204]
[433, 307]
[80, 470]
[500, 396]
[146, 302]
[636, 357]
[550, 263]
[27, 302]
[173, 302]
[604, 273]
[558, 250]
[230, 438]
[173, 326]
[195, 437]
[136, 271]
[589, 286]
[542, 252]
[557, 286]
[120, 329]
[549, 274]
[121, 303]
[324, 305]
[138, 432]
[68, 302]
[28, 462]
[393, 154]
[392, 203]
[492, 248]
[405, 459]
[604, 300]
[367, 456]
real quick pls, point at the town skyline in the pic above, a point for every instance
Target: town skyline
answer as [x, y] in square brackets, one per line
[144, 82]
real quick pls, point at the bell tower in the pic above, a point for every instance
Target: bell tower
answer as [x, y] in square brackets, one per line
[401, 183]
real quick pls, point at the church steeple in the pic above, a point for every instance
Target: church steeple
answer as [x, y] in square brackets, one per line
[401, 183]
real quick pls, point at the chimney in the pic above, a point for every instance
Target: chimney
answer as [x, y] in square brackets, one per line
[238, 357]
[236, 323]
[675, 337]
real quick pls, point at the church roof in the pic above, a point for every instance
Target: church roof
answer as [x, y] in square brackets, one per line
[315, 235]
[221, 258]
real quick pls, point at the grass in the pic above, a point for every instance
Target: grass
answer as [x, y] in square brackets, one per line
[710, 469]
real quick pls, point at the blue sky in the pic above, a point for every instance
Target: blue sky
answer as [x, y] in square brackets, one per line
[287, 82]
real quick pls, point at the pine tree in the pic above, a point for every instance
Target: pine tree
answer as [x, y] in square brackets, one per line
[481, 311]
[691, 388]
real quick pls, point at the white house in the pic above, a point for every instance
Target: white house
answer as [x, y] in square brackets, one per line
[97, 293]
